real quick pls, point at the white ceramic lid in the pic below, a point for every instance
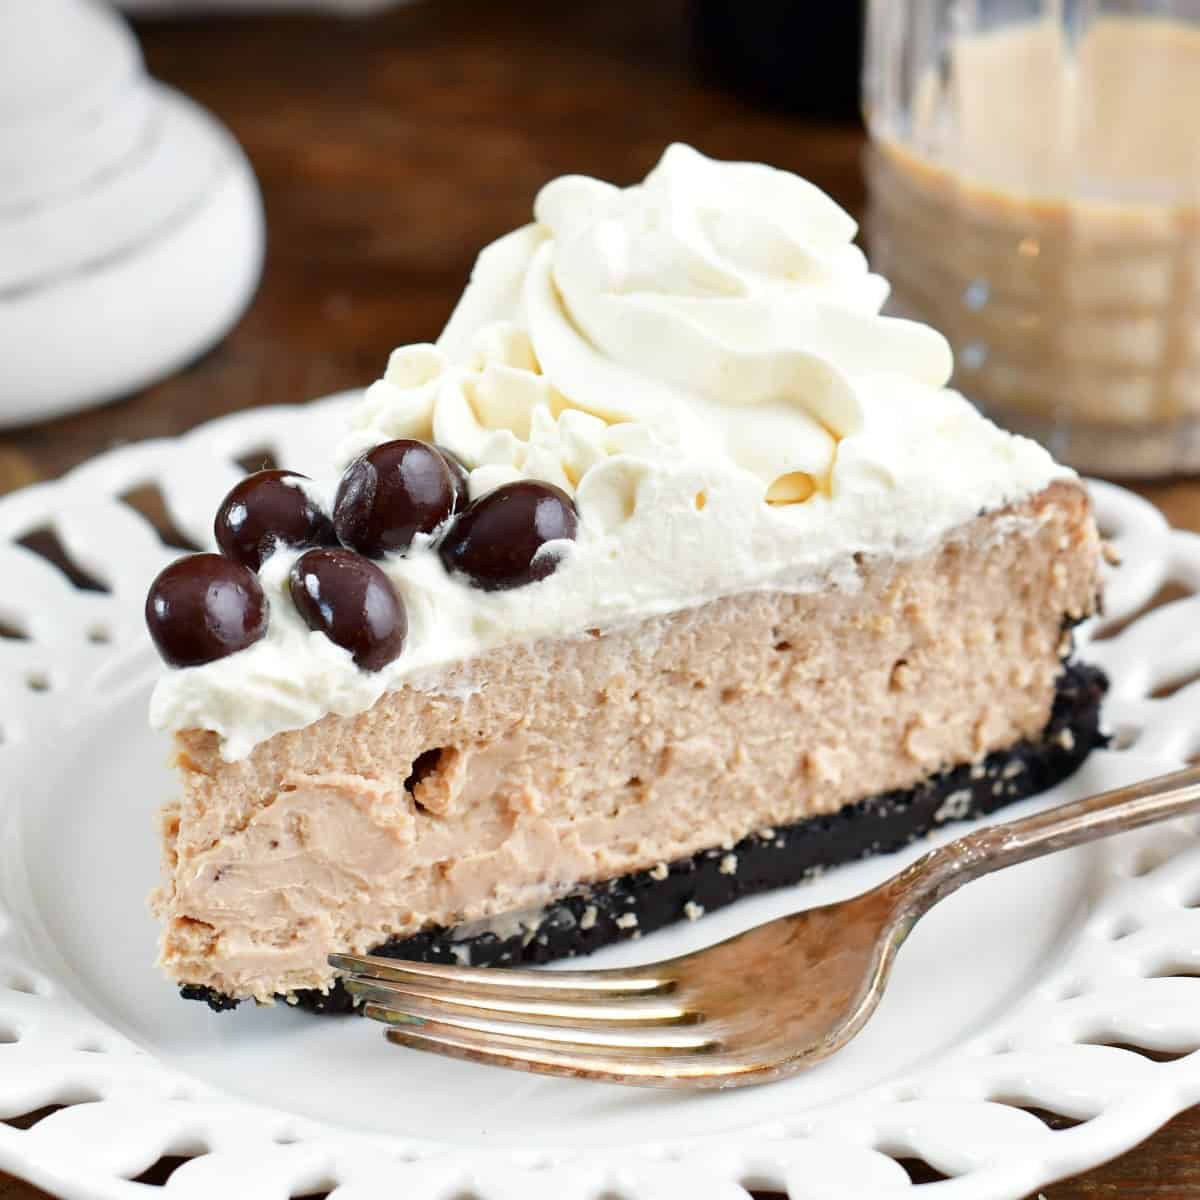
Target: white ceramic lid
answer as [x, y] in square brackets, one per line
[130, 222]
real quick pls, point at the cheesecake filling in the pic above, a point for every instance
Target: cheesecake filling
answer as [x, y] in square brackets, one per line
[540, 768]
[699, 362]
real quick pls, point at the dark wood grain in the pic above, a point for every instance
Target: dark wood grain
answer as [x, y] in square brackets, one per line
[389, 151]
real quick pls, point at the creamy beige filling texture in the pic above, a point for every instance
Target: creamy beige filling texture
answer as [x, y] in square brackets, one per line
[540, 766]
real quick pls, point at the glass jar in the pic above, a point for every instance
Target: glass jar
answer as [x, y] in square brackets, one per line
[1034, 177]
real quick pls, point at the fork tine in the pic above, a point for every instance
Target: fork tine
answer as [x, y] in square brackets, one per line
[563, 984]
[681, 1068]
[517, 1034]
[630, 1012]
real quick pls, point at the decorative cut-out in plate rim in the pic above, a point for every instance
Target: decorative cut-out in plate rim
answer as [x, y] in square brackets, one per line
[1102, 1051]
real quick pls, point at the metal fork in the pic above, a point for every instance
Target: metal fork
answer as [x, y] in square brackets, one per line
[758, 1007]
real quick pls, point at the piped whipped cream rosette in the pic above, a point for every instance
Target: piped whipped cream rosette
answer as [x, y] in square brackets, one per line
[698, 365]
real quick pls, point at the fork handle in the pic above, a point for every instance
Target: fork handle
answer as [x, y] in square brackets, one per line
[944, 870]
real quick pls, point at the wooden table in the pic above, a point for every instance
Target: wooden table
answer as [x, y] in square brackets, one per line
[389, 151]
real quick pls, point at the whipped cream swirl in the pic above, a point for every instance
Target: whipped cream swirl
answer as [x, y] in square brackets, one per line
[700, 361]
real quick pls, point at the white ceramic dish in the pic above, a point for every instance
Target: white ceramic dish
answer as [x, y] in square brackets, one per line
[352, 8]
[1055, 987]
[131, 227]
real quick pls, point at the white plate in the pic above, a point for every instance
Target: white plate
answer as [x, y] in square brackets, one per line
[1016, 994]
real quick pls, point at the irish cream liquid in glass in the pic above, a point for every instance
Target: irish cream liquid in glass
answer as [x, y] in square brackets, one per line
[1035, 194]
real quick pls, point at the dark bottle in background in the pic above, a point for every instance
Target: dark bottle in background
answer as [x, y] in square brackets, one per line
[802, 55]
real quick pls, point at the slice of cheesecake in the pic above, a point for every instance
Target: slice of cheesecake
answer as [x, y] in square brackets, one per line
[672, 573]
